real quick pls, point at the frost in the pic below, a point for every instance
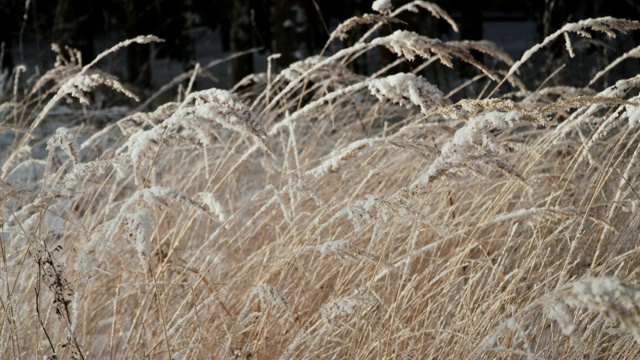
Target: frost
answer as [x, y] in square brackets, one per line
[561, 313]
[407, 90]
[339, 158]
[269, 295]
[213, 205]
[83, 170]
[367, 211]
[196, 119]
[78, 86]
[382, 6]
[466, 140]
[410, 45]
[63, 139]
[344, 251]
[633, 112]
[149, 198]
[139, 226]
[343, 307]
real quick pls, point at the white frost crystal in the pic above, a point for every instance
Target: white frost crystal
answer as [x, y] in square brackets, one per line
[382, 6]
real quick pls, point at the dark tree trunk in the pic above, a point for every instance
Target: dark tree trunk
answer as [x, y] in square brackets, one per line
[72, 27]
[6, 33]
[7, 55]
[262, 25]
[240, 38]
[471, 29]
[293, 30]
[139, 17]
[553, 18]
[172, 27]
[351, 9]
[471, 20]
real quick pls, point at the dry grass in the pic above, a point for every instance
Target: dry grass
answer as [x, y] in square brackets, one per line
[320, 214]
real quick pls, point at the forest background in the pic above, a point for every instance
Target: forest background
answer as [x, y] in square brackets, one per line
[294, 29]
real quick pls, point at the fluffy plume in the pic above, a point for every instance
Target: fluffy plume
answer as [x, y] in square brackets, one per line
[64, 140]
[344, 306]
[411, 45]
[407, 90]
[195, 119]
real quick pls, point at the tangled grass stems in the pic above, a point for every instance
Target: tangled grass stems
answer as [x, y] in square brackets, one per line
[320, 213]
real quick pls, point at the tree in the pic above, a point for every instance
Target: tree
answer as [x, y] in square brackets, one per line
[293, 30]
[172, 27]
[138, 15]
[6, 31]
[471, 29]
[72, 27]
[240, 38]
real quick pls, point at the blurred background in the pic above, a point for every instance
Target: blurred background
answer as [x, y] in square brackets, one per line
[205, 30]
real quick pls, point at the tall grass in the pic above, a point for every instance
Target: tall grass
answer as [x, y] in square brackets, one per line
[316, 213]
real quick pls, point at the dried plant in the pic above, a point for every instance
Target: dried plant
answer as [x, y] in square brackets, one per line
[319, 213]
[410, 45]
[606, 25]
[407, 90]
